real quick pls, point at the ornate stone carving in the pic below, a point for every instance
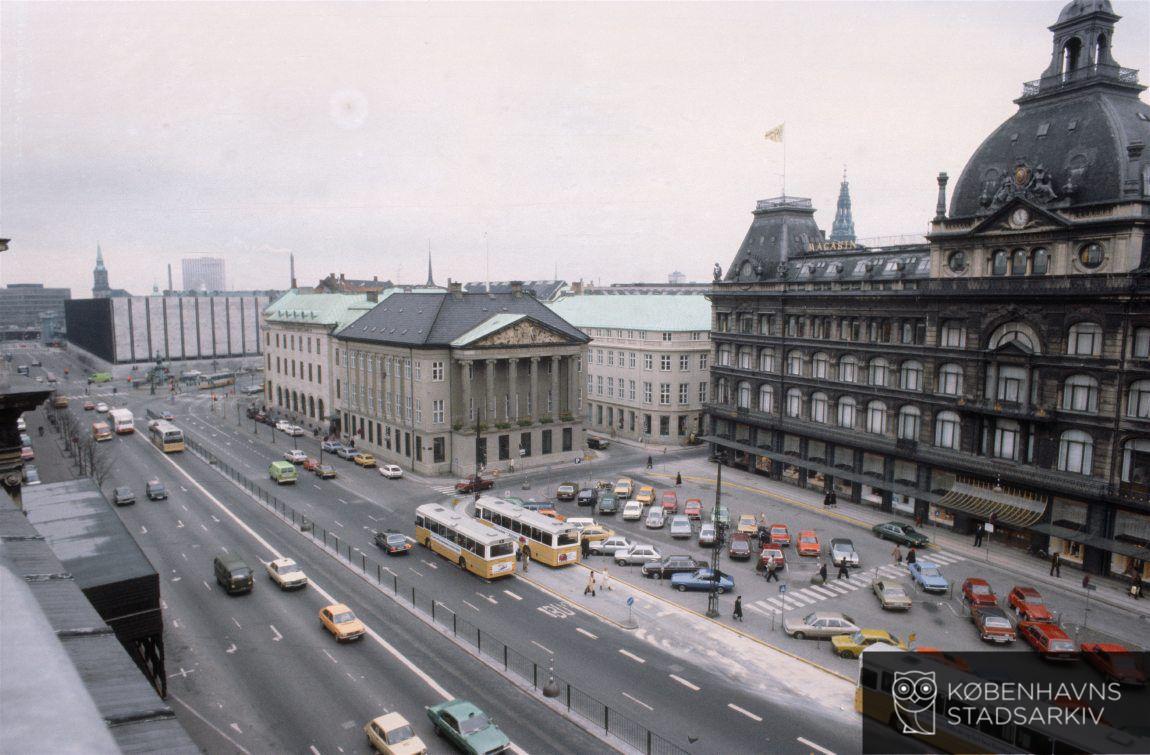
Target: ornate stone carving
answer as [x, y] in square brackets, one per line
[1034, 184]
[522, 333]
[718, 272]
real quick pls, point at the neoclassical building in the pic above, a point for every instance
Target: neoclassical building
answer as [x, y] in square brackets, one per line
[996, 372]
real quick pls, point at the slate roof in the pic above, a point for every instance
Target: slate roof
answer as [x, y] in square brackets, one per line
[652, 311]
[439, 318]
[543, 290]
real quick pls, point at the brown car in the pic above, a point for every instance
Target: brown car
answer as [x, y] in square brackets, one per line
[993, 624]
[740, 547]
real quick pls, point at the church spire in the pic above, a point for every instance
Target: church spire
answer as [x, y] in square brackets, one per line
[430, 280]
[100, 287]
[843, 228]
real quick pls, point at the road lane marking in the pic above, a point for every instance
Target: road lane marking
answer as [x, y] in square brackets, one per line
[685, 683]
[341, 500]
[585, 633]
[469, 605]
[632, 656]
[195, 713]
[756, 609]
[543, 647]
[205, 582]
[330, 656]
[488, 598]
[415, 572]
[814, 746]
[637, 700]
[747, 713]
[278, 636]
[512, 595]
[236, 728]
[774, 602]
[231, 649]
[338, 522]
[215, 518]
[823, 591]
[143, 530]
[179, 524]
[236, 623]
[315, 486]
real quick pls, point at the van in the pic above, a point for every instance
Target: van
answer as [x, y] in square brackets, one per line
[624, 488]
[233, 574]
[100, 377]
[283, 472]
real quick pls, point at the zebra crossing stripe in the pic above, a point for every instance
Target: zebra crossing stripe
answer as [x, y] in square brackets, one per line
[849, 585]
[804, 600]
[774, 602]
[823, 591]
[839, 589]
[791, 602]
[756, 609]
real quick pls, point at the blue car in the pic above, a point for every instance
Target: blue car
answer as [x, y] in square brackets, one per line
[702, 581]
[331, 446]
[927, 576]
[468, 728]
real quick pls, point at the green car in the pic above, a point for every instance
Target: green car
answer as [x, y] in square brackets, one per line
[468, 728]
[723, 518]
[903, 534]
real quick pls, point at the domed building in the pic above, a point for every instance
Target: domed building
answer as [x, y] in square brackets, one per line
[996, 372]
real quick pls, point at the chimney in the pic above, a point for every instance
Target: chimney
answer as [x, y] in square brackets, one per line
[455, 289]
[577, 288]
[375, 278]
[293, 283]
[373, 296]
[517, 289]
[170, 277]
[940, 210]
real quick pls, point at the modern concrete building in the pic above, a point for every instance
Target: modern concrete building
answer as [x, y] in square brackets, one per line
[22, 304]
[647, 367]
[204, 274]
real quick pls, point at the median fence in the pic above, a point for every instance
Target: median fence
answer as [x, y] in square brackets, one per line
[537, 674]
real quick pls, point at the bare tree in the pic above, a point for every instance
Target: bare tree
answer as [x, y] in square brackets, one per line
[97, 459]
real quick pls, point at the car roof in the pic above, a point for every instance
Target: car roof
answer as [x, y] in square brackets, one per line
[1050, 630]
[841, 541]
[989, 610]
[828, 615]
[875, 633]
[977, 581]
[337, 607]
[389, 721]
[1025, 590]
[282, 561]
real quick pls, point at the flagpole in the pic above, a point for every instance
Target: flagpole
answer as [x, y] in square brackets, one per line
[784, 166]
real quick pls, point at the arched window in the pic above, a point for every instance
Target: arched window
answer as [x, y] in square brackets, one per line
[766, 398]
[1084, 339]
[820, 365]
[1076, 452]
[311, 406]
[910, 376]
[1007, 434]
[1020, 334]
[848, 369]
[876, 417]
[1138, 399]
[725, 356]
[767, 360]
[1070, 52]
[848, 409]
[795, 362]
[1140, 343]
[1080, 394]
[998, 262]
[745, 362]
[947, 430]
[819, 406]
[1012, 383]
[1091, 255]
[1101, 51]
[279, 395]
[1039, 261]
[1136, 462]
[878, 372]
[950, 380]
[909, 422]
[1018, 262]
[319, 408]
[743, 396]
[794, 403]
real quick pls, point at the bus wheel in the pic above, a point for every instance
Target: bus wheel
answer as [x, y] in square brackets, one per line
[462, 562]
[846, 654]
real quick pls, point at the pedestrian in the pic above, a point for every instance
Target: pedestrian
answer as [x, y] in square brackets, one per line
[772, 572]
[823, 572]
[1055, 564]
[650, 462]
[1136, 587]
[678, 478]
[590, 587]
[911, 556]
[523, 553]
[585, 547]
[843, 573]
[834, 500]
[605, 581]
[896, 554]
[978, 536]
[737, 614]
[827, 499]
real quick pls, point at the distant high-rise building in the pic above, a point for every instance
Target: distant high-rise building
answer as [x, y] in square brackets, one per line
[22, 304]
[843, 228]
[676, 278]
[204, 274]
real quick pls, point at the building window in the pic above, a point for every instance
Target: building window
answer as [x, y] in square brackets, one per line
[820, 366]
[599, 385]
[631, 359]
[952, 335]
[610, 358]
[665, 393]
[1138, 400]
[1140, 343]
[437, 411]
[998, 262]
[319, 374]
[1084, 339]
[1076, 452]
[438, 450]
[794, 403]
[947, 430]
[647, 424]
[848, 369]
[950, 380]
[545, 442]
[819, 406]
[598, 356]
[766, 397]
[1015, 332]
[956, 261]
[664, 425]
[848, 410]
[794, 363]
[665, 363]
[684, 362]
[649, 360]
[1090, 255]
[745, 358]
[684, 393]
[1080, 394]
[567, 436]
[610, 386]
[767, 360]
[666, 336]
[879, 372]
[646, 393]
[909, 422]
[1006, 437]
[630, 390]
[437, 372]
[419, 411]
[704, 389]
[743, 395]
[1011, 383]
[1039, 262]
[702, 361]
[910, 376]
[1018, 262]
[876, 417]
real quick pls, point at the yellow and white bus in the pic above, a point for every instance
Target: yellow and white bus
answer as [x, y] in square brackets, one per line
[166, 436]
[481, 550]
[548, 541]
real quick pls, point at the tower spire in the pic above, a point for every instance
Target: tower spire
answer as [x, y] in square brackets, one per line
[430, 279]
[100, 287]
[843, 228]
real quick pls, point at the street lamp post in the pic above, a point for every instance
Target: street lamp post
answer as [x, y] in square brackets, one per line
[713, 593]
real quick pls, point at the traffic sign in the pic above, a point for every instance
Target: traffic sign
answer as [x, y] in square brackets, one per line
[782, 587]
[630, 602]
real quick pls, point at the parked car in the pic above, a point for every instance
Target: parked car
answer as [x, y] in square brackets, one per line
[636, 555]
[89, 405]
[286, 573]
[928, 577]
[1115, 662]
[903, 534]
[747, 525]
[467, 728]
[597, 443]
[608, 504]
[1049, 639]
[31, 475]
[704, 580]
[1029, 604]
[819, 624]
[294, 431]
[632, 511]
[655, 519]
[978, 592]
[593, 532]
[341, 621]
[295, 456]
[646, 495]
[778, 535]
[668, 566]
[473, 484]
[391, 734]
[331, 446]
[123, 495]
[390, 471]
[624, 488]
[346, 452]
[394, 543]
[739, 548]
[102, 408]
[566, 491]
[891, 595]
[693, 509]
[587, 497]
[767, 554]
[707, 535]
[681, 527]
[670, 502]
[26, 453]
[722, 515]
[808, 544]
[851, 645]
[609, 545]
[993, 624]
[324, 471]
[364, 459]
[155, 491]
[843, 549]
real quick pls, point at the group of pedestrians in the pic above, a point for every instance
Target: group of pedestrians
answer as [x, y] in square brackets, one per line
[911, 555]
[603, 584]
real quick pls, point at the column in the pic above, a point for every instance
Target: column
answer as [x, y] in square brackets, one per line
[572, 384]
[555, 386]
[512, 390]
[465, 381]
[490, 375]
[534, 388]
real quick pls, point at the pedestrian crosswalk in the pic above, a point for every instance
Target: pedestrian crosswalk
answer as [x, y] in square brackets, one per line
[809, 596]
[444, 489]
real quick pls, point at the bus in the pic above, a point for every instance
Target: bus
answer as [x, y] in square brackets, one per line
[101, 431]
[166, 436]
[547, 541]
[483, 551]
[217, 380]
[123, 422]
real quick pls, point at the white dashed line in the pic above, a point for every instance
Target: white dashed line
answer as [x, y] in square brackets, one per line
[338, 522]
[814, 746]
[469, 605]
[747, 713]
[637, 700]
[512, 595]
[585, 633]
[236, 623]
[685, 683]
[544, 648]
[632, 656]
[330, 657]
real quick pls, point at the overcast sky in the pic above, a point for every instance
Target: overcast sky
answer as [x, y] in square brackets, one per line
[600, 141]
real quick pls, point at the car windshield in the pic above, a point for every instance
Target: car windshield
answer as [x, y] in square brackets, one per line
[807, 540]
[396, 539]
[999, 622]
[894, 592]
[930, 571]
[343, 617]
[980, 589]
[778, 530]
[1034, 600]
[402, 734]
[858, 638]
[474, 724]
[1062, 646]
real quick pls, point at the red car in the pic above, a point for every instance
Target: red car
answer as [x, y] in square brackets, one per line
[473, 483]
[26, 453]
[808, 543]
[977, 592]
[779, 535]
[670, 502]
[89, 405]
[769, 553]
[1115, 662]
[1049, 639]
[740, 547]
[693, 508]
[993, 624]
[310, 463]
[1029, 604]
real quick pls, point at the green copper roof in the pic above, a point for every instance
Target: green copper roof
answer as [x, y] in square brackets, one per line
[659, 312]
[335, 310]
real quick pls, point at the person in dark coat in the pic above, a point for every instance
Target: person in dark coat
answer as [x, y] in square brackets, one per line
[823, 572]
[843, 572]
[737, 615]
[1056, 564]
[978, 533]
[911, 555]
[649, 462]
[834, 500]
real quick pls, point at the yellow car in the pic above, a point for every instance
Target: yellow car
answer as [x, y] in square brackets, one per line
[595, 532]
[624, 488]
[646, 495]
[364, 459]
[393, 735]
[852, 645]
[747, 525]
[341, 622]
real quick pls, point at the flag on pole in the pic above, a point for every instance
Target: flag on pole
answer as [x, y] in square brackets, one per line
[775, 134]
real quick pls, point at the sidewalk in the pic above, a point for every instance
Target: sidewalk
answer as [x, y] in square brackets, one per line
[1108, 590]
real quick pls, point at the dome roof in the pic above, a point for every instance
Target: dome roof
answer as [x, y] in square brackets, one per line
[1078, 8]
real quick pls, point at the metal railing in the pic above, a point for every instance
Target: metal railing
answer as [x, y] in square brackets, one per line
[1062, 80]
[484, 643]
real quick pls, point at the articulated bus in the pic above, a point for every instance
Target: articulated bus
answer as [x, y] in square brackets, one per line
[166, 436]
[548, 541]
[217, 380]
[481, 550]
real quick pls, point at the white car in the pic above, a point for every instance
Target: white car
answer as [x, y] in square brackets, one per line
[287, 574]
[580, 522]
[390, 471]
[636, 555]
[294, 430]
[102, 408]
[655, 519]
[632, 511]
[21, 425]
[610, 545]
[282, 425]
[295, 456]
[681, 526]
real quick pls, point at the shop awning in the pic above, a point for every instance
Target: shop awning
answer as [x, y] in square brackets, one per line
[1011, 507]
[1122, 548]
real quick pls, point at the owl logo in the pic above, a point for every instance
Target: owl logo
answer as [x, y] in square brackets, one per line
[914, 693]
